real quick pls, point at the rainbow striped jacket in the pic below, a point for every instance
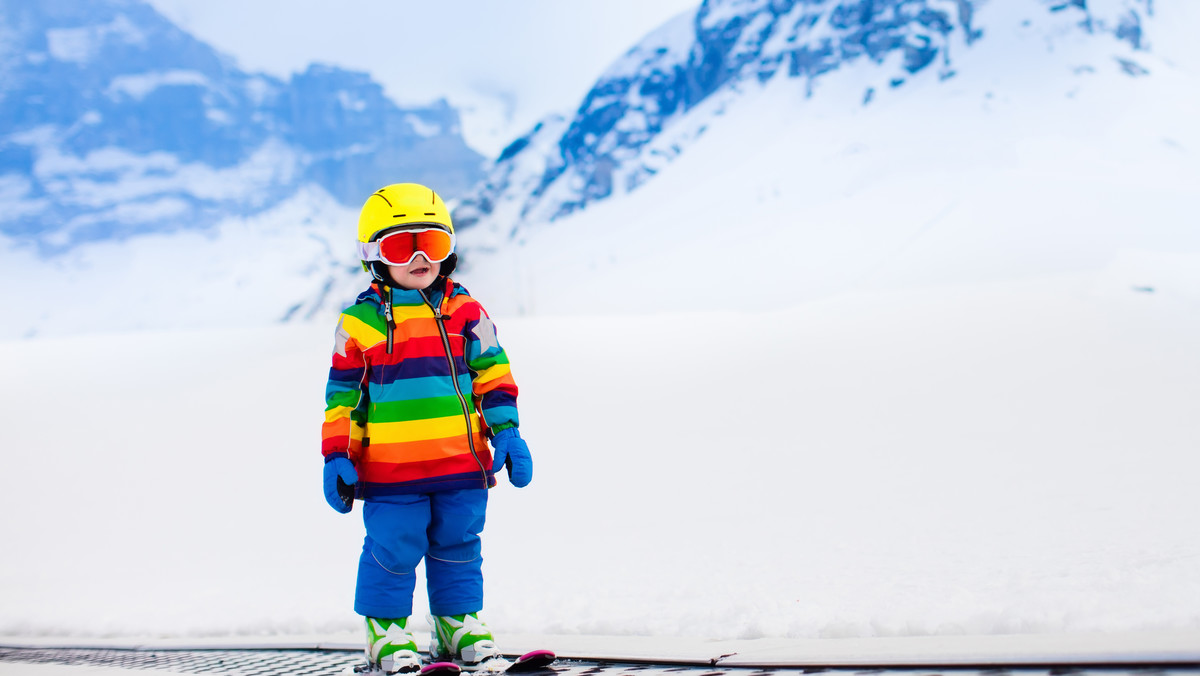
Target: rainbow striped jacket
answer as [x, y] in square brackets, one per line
[417, 387]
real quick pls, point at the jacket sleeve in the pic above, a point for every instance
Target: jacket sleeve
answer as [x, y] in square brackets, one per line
[345, 397]
[492, 382]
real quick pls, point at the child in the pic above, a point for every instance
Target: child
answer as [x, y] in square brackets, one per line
[419, 384]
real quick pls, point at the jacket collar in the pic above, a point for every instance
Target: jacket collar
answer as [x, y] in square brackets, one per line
[378, 293]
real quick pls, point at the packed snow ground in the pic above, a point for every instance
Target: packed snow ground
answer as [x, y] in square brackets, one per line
[988, 459]
[926, 366]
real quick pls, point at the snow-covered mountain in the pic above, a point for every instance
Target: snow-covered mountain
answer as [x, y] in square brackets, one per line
[817, 147]
[753, 153]
[117, 123]
[643, 112]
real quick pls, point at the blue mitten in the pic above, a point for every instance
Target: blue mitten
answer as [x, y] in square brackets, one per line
[512, 452]
[340, 478]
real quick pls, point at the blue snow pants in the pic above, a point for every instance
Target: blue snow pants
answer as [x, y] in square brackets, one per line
[443, 528]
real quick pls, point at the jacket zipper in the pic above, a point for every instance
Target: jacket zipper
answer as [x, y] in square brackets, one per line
[438, 317]
[391, 320]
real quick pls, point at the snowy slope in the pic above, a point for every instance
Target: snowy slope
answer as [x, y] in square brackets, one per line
[293, 261]
[1009, 458]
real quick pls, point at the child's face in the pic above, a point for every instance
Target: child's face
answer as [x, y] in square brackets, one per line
[416, 275]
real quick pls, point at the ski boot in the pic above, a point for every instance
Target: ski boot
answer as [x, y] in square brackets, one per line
[466, 640]
[390, 648]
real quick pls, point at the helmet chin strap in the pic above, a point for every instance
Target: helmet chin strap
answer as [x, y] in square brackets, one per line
[448, 265]
[380, 273]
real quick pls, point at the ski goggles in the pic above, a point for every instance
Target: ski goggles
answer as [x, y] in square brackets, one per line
[401, 247]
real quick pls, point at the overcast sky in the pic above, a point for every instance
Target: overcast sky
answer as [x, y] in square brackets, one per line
[504, 63]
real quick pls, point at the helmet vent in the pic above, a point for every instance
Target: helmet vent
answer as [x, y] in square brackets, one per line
[399, 215]
[430, 213]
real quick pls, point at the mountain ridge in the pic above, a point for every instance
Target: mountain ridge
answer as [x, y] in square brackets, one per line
[1057, 142]
[628, 127]
[118, 123]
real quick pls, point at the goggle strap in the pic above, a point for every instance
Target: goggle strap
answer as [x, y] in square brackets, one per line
[368, 251]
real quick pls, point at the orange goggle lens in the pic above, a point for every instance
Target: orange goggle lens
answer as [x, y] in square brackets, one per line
[400, 248]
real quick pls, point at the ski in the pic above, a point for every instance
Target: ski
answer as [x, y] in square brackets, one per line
[532, 661]
[433, 669]
[536, 660]
[529, 662]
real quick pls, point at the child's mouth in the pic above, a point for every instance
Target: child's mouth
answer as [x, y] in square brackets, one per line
[419, 271]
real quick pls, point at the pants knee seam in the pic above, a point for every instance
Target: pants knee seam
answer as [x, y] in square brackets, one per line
[431, 556]
[389, 570]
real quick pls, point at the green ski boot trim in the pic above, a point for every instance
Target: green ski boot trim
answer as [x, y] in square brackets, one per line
[466, 640]
[390, 647]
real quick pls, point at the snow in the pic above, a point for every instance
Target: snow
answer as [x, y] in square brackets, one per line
[1003, 458]
[1041, 156]
[421, 127]
[140, 85]
[15, 192]
[135, 189]
[145, 175]
[287, 261]
[661, 48]
[349, 102]
[921, 368]
[502, 81]
[82, 44]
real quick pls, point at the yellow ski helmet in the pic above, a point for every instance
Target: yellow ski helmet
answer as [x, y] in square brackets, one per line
[399, 205]
[402, 204]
